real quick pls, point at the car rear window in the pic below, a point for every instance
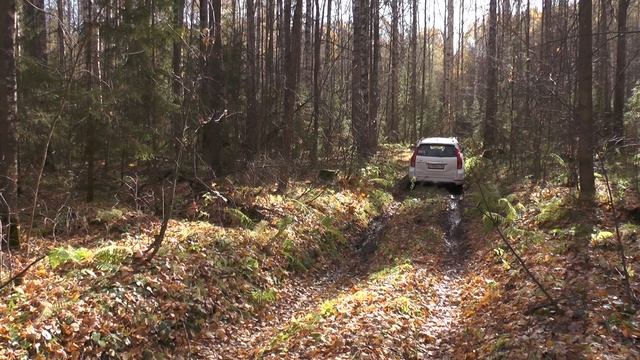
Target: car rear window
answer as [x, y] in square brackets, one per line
[436, 150]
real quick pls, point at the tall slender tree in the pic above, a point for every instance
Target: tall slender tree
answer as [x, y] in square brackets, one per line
[603, 98]
[327, 127]
[176, 64]
[60, 33]
[392, 120]
[414, 70]
[317, 94]
[8, 125]
[447, 91]
[91, 74]
[374, 100]
[252, 134]
[621, 69]
[360, 77]
[491, 109]
[293, 40]
[584, 107]
[212, 95]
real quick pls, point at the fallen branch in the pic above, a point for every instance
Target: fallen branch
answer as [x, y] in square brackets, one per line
[551, 301]
[152, 250]
[22, 272]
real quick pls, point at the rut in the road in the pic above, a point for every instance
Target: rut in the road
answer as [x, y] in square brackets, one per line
[445, 309]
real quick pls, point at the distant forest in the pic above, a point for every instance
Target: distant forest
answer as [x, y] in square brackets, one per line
[91, 87]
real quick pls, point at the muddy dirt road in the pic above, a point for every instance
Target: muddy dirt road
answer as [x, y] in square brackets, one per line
[395, 294]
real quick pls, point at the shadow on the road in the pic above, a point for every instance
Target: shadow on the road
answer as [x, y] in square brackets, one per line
[403, 188]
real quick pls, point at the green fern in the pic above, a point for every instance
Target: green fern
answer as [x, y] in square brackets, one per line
[240, 218]
[111, 257]
[60, 255]
[510, 212]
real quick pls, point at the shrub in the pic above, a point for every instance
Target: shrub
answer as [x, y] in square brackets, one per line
[553, 212]
[61, 256]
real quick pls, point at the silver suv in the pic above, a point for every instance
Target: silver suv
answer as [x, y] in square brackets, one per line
[437, 160]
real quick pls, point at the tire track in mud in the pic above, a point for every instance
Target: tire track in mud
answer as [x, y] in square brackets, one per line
[445, 308]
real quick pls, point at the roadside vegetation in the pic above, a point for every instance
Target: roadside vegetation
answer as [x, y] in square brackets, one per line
[228, 255]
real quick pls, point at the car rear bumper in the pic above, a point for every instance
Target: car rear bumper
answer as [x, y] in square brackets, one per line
[458, 179]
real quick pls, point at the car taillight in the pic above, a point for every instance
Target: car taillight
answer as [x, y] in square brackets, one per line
[413, 157]
[459, 158]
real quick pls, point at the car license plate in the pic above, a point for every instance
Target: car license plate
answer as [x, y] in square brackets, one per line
[435, 166]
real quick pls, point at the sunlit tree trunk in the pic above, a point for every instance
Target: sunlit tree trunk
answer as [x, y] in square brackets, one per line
[447, 96]
[414, 71]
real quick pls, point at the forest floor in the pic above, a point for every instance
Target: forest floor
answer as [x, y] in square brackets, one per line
[358, 267]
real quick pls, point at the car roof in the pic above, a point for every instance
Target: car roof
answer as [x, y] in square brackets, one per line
[439, 141]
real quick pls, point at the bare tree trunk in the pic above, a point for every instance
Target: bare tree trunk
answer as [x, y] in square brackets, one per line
[176, 66]
[92, 70]
[584, 107]
[621, 65]
[328, 122]
[293, 39]
[213, 87]
[414, 71]
[603, 105]
[392, 122]
[458, 111]
[360, 78]
[545, 88]
[423, 94]
[492, 69]
[268, 91]
[447, 108]
[60, 33]
[8, 126]
[251, 134]
[307, 78]
[374, 101]
[316, 86]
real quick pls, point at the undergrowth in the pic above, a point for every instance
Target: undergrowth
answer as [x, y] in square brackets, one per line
[226, 255]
